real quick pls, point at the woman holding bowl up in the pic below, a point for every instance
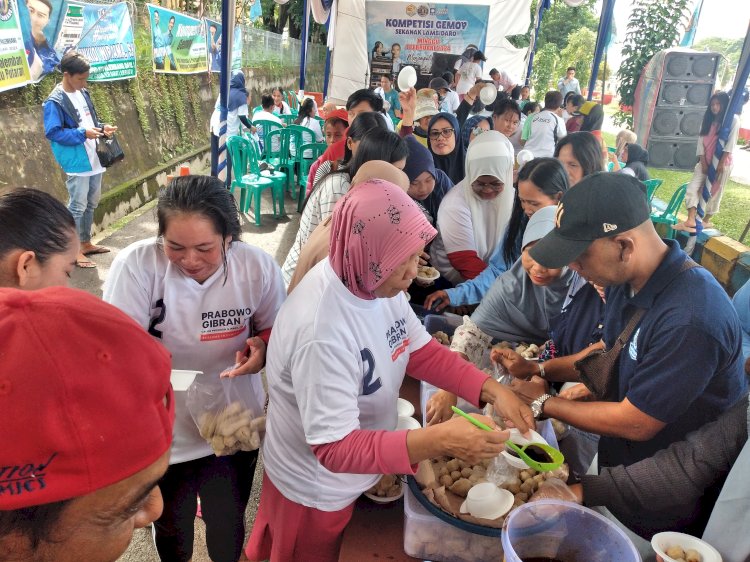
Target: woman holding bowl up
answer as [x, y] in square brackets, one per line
[334, 383]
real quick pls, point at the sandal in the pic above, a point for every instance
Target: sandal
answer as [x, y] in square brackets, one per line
[85, 264]
[97, 250]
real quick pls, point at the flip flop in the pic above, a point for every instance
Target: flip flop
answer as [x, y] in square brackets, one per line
[85, 264]
[684, 228]
[97, 250]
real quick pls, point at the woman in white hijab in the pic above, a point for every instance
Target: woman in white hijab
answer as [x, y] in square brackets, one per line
[474, 216]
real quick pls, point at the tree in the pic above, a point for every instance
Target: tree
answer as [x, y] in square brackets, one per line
[544, 67]
[561, 20]
[730, 48]
[579, 52]
[654, 25]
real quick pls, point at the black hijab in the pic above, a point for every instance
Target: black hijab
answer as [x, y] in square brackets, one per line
[637, 161]
[452, 163]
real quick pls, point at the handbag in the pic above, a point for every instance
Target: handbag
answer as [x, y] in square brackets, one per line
[109, 151]
[599, 370]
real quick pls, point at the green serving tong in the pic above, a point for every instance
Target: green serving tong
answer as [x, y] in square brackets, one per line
[556, 457]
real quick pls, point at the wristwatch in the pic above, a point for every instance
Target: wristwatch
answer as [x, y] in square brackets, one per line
[537, 406]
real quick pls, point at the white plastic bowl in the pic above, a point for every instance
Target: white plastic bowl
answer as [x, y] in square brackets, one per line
[181, 380]
[488, 94]
[429, 279]
[519, 439]
[487, 501]
[406, 422]
[404, 408]
[384, 499]
[660, 542]
[407, 78]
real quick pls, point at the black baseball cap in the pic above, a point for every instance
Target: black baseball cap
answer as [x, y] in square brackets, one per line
[599, 206]
[439, 84]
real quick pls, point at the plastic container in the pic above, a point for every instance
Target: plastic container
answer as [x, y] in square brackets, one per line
[428, 538]
[564, 531]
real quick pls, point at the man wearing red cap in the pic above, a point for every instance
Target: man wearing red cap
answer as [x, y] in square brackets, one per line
[85, 431]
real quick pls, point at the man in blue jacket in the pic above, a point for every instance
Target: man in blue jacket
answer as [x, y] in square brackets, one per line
[72, 127]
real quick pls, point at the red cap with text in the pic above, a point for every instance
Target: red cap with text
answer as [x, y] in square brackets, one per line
[85, 398]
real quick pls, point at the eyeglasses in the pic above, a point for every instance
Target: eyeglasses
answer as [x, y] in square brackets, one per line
[493, 185]
[476, 131]
[445, 133]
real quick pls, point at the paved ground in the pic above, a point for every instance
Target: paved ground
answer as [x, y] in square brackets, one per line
[275, 236]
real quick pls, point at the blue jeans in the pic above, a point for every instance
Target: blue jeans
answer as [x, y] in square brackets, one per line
[85, 192]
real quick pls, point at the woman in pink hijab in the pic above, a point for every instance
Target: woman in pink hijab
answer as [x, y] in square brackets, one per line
[340, 347]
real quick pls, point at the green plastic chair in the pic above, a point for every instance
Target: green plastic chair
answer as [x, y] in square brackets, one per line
[278, 151]
[287, 119]
[669, 216]
[308, 137]
[241, 152]
[651, 186]
[291, 99]
[264, 127]
[314, 150]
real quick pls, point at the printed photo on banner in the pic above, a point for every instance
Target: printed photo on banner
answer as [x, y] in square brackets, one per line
[213, 46]
[179, 44]
[14, 67]
[104, 35]
[430, 37]
[40, 21]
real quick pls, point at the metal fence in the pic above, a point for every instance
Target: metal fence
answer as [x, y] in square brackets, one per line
[263, 49]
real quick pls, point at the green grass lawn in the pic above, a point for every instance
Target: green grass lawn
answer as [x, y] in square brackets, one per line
[735, 205]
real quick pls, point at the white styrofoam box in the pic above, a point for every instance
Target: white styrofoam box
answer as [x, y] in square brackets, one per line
[428, 538]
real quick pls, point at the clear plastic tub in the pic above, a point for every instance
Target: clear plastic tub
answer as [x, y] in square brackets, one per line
[564, 531]
[428, 538]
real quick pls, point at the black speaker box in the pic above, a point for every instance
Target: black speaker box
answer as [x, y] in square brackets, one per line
[677, 122]
[685, 94]
[691, 66]
[442, 62]
[672, 152]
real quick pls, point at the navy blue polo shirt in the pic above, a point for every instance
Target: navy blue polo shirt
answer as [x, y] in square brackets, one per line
[683, 364]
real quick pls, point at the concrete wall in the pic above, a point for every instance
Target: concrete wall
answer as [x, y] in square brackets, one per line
[28, 161]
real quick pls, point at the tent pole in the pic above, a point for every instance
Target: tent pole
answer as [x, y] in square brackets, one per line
[303, 55]
[227, 36]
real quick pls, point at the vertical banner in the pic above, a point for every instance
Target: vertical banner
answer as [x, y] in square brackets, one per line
[430, 37]
[14, 68]
[104, 35]
[178, 41]
[40, 21]
[213, 46]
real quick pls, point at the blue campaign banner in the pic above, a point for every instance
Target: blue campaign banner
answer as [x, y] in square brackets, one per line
[213, 46]
[178, 41]
[431, 37]
[104, 35]
[40, 22]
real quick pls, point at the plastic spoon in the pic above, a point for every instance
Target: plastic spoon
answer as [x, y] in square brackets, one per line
[555, 455]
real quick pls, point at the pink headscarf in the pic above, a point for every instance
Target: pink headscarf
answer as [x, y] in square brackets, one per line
[376, 226]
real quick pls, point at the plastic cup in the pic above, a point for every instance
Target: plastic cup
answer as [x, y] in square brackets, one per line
[565, 531]
[184, 170]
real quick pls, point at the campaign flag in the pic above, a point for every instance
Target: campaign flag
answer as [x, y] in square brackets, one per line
[178, 42]
[213, 46]
[14, 67]
[104, 35]
[429, 36]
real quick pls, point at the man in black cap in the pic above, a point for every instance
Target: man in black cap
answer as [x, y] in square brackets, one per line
[680, 360]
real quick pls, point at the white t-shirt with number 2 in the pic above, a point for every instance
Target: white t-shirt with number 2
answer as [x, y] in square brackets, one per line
[335, 364]
[202, 325]
[87, 121]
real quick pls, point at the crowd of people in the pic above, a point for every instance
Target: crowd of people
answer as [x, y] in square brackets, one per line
[644, 357]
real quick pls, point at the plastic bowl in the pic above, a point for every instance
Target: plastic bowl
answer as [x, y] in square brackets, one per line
[389, 499]
[519, 439]
[488, 94]
[406, 422]
[427, 276]
[404, 408]
[660, 542]
[487, 501]
[407, 78]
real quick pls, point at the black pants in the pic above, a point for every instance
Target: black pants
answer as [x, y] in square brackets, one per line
[223, 484]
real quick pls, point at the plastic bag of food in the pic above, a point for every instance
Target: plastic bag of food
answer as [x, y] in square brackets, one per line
[228, 412]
